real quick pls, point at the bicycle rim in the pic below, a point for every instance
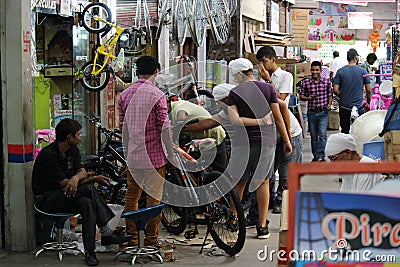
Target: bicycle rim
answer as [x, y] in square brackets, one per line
[96, 9]
[197, 22]
[147, 30]
[180, 22]
[174, 219]
[232, 6]
[227, 230]
[219, 19]
[94, 83]
[161, 17]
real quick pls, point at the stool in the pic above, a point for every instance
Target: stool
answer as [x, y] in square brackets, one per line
[141, 217]
[374, 149]
[59, 246]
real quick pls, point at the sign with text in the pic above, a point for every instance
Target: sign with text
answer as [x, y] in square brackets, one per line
[299, 26]
[360, 20]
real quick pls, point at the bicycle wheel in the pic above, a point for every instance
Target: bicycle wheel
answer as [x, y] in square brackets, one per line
[94, 83]
[146, 28]
[96, 9]
[161, 17]
[196, 21]
[180, 23]
[219, 19]
[227, 230]
[174, 218]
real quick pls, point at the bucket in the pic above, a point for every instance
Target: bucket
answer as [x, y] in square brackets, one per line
[374, 149]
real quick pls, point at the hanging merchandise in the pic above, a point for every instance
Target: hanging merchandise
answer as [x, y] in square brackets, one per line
[210, 73]
[374, 36]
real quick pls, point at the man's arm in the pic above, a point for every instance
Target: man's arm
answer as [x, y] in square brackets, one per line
[203, 125]
[368, 92]
[286, 117]
[336, 90]
[287, 147]
[71, 185]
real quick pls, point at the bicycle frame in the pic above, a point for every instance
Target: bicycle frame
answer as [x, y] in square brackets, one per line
[107, 48]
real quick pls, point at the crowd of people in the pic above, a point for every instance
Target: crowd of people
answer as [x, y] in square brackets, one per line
[273, 139]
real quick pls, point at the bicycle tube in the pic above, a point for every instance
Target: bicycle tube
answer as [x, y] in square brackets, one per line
[147, 21]
[199, 21]
[180, 22]
[161, 18]
[96, 9]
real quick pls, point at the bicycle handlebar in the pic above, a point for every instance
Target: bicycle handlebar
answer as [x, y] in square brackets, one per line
[109, 134]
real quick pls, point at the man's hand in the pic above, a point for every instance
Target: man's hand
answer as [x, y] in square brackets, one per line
[71, 187]
[287, 148]
[264, 74]
[101, 179]
[268, 119]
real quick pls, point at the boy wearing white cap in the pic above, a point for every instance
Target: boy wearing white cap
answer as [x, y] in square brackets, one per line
[254, 99]
[342, 147]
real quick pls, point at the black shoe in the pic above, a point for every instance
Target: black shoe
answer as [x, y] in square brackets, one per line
[250, 222]
[314, 160]
[114, 239]
[91, 259]
[321, 160]
[277, 208]
[262, 232]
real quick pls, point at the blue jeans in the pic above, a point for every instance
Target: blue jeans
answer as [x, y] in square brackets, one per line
[318, 125]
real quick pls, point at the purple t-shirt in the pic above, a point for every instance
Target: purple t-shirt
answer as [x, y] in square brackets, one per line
[253, 100]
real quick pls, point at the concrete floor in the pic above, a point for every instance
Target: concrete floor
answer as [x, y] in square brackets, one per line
[189, 255]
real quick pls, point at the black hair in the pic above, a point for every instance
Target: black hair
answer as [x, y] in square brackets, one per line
[266, 51]
[147, 65]
[335, 54]
[316, 63]
[371, 56]
[65, 127]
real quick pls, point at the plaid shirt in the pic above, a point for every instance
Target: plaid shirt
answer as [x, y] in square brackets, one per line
[144, 108]
[321, 90]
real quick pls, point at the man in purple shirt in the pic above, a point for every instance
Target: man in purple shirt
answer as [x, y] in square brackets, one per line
[318, 92]
[143, 117]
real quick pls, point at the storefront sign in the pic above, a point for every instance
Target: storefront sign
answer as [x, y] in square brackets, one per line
[46, 6]
[299, 26]
[347, 227]
[274, 17]
[360, 20]
[255, 9]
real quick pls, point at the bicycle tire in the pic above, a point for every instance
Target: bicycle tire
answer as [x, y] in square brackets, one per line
[94, 83]
[178, 225]
[235, 244]
[161, 18]
[197, 21]
[219, 20]
[180, 24]
[98, 9]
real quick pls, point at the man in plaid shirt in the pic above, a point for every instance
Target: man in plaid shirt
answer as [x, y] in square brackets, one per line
[318, 92]
[143, 118]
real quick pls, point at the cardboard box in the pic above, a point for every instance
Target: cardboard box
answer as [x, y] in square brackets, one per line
[333, 120]
[392, 145]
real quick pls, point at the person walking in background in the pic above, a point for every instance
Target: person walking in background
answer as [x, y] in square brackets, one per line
[369, 61]
[144, 120]
[281, 79]
[348, 85]
[336, 64]
[318, 92]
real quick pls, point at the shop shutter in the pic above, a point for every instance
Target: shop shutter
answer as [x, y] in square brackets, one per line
[126, 10]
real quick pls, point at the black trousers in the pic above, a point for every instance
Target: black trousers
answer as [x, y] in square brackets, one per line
[344, 115]
[87, 202]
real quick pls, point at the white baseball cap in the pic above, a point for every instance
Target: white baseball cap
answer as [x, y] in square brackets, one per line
[222, 90]
[240, 64]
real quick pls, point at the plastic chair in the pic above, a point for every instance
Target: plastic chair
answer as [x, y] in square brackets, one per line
[58, 246]
[141, 217]
[374, 149]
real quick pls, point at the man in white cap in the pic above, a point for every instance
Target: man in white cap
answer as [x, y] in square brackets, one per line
[342, 147]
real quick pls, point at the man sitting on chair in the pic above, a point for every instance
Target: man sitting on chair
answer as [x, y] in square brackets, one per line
[59, 177]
